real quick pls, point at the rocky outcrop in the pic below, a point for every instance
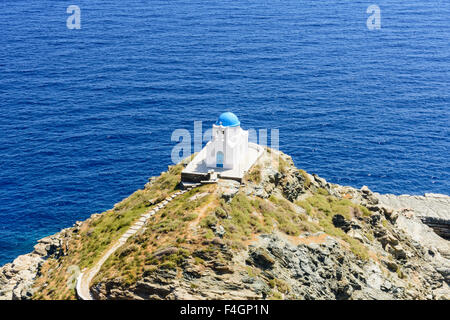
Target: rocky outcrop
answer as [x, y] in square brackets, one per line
[433, 209]
[381, 249]
[287, 181]
[409, 260]
[439, 225]
[17, 278]
[322, 270]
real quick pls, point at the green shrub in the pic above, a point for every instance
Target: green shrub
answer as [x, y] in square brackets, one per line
[209, 234]
[209, 221]
[221, 213]
[190, 217]
[366, 212]
[255, 174]
[275, 296]
[168, 265]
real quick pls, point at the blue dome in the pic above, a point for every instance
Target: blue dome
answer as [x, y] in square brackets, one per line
[228, 119]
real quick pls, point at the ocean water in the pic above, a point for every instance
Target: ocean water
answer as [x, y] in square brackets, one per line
[87, 115]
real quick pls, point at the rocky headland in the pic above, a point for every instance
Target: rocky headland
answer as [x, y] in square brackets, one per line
[280, 234]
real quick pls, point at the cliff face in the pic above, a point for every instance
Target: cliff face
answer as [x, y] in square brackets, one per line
[17, 278]
[282, 234]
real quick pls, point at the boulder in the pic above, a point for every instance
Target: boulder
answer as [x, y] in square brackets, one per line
[365, 190]
[222, 268]
[375, 219]
[397, 251]
[340, 222]
[220, 231]
[356, 235]
[165, 252]
[390, 214]
[261, 258]
[343, 290]
[228, 189]
[391, 265]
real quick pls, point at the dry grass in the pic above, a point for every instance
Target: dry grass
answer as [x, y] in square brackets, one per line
[96, 235]
[187, 224]
[170, 227]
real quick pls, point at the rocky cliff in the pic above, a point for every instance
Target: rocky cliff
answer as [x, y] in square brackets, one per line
[281, 234]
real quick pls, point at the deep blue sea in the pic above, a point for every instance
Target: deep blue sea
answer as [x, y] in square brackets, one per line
[87, 115]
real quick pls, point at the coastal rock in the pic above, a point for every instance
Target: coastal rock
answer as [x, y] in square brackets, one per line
[300, 255]
[17, 278]
[313, 265]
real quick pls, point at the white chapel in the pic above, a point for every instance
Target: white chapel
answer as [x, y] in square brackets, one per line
[228, 154]
[229, 143]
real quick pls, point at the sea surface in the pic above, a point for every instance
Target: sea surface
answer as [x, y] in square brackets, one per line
[87, 115]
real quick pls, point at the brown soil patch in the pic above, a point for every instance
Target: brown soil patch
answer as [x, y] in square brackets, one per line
[373, 255]
[201, 213]
[318, 239]
[253, 239]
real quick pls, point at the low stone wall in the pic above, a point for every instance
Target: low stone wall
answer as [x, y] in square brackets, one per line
[199, 177]
[193, 177]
